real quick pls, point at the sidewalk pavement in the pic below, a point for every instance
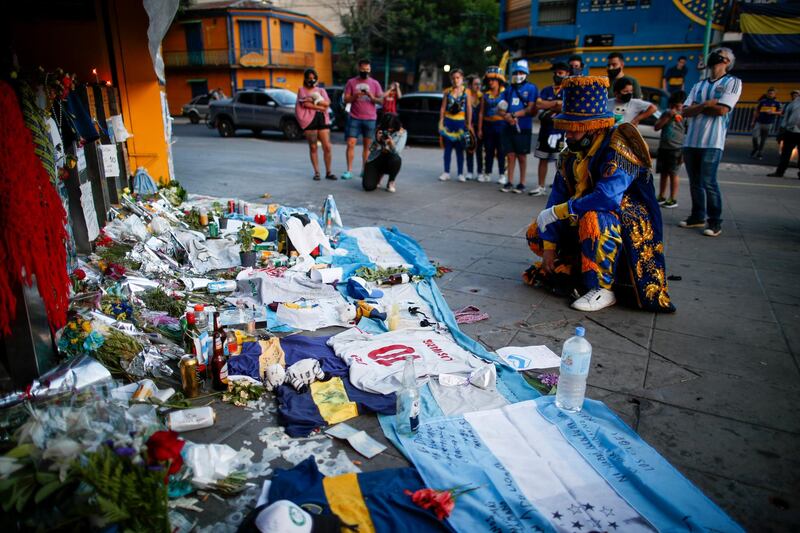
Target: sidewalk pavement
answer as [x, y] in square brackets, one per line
[712, 387]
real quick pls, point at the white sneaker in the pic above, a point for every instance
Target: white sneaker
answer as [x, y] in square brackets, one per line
[444, 177]
[538, 191]
[503, 179]
[468, 176]
[461, 178]
[390, 187]
[594, 300]
[483, 178]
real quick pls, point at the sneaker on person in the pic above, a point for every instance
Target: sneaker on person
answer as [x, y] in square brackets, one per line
[461, 178]
[759, 156]
[594, 300]
[507, 187]
[390, 187]
[538, 191]
[468, 176]
[347, 175]
[519, 189]
[661, 200]
[483, 178]
[670, 204]
[503, 179]
[691, 223]
[713, 230]
[331, 177]
[444, 177]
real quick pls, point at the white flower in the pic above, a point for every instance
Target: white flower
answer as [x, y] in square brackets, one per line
[9, 465]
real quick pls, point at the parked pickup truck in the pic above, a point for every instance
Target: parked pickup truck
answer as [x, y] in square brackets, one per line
[257, 110]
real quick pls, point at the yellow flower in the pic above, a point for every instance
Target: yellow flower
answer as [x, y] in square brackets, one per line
[73, 326]
[87, 326]
[74, 341]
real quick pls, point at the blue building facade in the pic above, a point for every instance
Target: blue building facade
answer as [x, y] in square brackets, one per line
[651, 34]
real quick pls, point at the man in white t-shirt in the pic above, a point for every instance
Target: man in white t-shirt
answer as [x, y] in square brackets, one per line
[708, 106]
[625, 107]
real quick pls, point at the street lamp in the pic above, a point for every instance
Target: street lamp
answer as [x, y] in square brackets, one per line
[446, 68]
[488, 48]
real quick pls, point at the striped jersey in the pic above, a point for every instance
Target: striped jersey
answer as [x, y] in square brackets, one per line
[707, 131]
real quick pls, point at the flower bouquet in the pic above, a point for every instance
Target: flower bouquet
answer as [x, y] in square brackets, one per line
[440, 502]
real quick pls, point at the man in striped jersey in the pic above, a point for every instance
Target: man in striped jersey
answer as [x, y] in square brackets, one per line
[709, 103]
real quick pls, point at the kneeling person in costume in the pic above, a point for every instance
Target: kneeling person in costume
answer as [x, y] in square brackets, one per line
[602, 219]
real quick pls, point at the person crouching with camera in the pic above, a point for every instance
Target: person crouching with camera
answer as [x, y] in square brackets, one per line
[384, 153]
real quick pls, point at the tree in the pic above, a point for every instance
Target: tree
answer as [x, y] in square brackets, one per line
[454, 32]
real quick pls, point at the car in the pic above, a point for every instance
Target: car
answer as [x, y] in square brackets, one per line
[197, 108]
[419, 113]
[257, 110]
[339, 113]
[659, 98]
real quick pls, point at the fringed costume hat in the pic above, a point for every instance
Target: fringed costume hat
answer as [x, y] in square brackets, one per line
[585, 105]
[494, 72]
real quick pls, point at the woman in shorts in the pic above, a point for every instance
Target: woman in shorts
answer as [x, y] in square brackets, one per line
[311, 110]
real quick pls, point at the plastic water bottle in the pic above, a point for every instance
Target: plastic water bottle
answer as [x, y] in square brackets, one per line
[575, 358]
[408, 405]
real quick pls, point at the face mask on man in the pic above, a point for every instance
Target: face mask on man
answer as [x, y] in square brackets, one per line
[580, 145]
[613, 73]
[558, 79]
[363, 74]
[625, 98]
[715, 58]
[517, 79]
[576, 71]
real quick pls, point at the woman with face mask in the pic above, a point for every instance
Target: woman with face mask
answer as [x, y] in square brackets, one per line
[455, 121]
[311, 110]
[491, 124]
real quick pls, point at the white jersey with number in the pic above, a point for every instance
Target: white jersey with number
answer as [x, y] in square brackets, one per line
[376, 361]
[706, 131]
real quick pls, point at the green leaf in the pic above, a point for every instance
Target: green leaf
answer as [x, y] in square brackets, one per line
[23, 496]
[23, 450]
[46, 491]
[43, 478]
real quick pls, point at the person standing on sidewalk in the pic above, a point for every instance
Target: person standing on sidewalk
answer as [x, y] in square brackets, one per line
[675, 77]
[767, 109]
[393, 94]
[362, 93]
[311, 110]
[616, 71]
[520, 104]
[474, 89]
[790, 134]
[708, 105]
[625, 107]
[551, 140]
[455, 120]
[491, 124]
[670, 158]
[575, 65]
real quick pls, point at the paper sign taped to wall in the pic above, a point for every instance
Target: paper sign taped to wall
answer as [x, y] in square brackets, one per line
[108, 153]
[89, 214]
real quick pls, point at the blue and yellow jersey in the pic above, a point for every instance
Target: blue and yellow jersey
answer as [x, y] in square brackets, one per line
[373, 501]
[490, 109]
[461, 100]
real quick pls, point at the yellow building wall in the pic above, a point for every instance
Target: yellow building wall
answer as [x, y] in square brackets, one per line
[215, 34]
[752, 91]
[140, 92]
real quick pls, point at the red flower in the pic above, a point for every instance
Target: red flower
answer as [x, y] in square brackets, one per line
[165, 447]
[441, 502]
[103, 240]
[80, 275]
[115, 271]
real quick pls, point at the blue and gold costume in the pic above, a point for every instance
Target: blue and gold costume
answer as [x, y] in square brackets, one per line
[608, 214]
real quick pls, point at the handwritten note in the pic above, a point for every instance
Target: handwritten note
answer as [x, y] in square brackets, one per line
[108, 153]
[89, 214]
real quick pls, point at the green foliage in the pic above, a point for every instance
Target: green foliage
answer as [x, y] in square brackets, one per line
[117, 253]
[246, 237]
[448, 31]
[156, 299]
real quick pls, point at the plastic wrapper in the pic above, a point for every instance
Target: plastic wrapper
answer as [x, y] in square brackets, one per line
[148, 362]
[189, 419]
[131, 227]
[214, 462]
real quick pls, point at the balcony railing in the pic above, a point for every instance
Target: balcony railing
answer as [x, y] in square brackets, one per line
[245, 58]
[202, 58]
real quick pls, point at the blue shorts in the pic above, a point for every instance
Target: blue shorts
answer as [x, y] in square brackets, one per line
[359, 127]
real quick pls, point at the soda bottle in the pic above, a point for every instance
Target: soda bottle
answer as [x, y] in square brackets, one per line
[408, 405]
[575, 358]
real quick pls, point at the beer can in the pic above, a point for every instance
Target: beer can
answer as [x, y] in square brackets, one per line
[245, 208]
[213, 230]
[231, 206]
[190, 378]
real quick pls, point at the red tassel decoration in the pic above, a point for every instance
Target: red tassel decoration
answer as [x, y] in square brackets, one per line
[32, 219]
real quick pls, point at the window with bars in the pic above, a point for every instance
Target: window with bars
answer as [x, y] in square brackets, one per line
[553, 12]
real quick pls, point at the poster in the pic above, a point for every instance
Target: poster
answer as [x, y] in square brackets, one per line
[108, 153]
[89, 214]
